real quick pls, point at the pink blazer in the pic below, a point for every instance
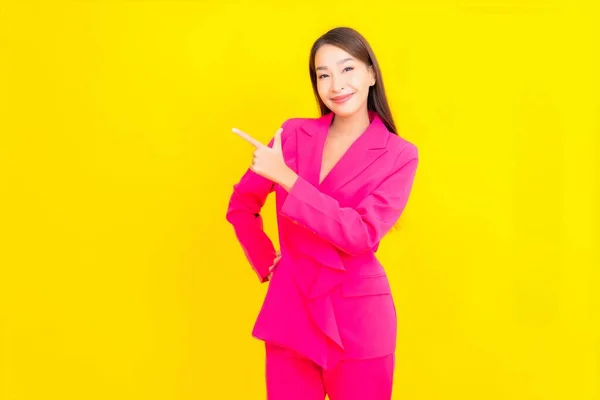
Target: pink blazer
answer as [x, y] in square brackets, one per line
[329, 298]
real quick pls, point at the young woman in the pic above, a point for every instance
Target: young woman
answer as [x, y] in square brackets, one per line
[341, 182]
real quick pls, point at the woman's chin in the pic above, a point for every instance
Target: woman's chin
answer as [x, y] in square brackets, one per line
[343, 110]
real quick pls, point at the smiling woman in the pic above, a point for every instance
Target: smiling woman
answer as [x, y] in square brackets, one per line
[342, 180]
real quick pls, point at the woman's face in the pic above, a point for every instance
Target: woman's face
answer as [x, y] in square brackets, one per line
[342, 80]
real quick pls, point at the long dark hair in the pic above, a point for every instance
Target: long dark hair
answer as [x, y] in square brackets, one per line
[357, 46]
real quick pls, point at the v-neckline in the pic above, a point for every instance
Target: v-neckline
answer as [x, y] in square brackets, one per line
[321, 154]
[369, 145]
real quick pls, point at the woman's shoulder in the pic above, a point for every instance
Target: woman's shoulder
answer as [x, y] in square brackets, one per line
[294, 122]
[403, 147]
[291, 125]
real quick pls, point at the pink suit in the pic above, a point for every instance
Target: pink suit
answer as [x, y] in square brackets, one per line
[329, 299]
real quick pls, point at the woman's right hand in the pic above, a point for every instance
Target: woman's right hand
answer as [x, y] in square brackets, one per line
[272, 267]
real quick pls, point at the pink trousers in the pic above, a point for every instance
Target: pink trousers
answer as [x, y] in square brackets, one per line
[293, 377]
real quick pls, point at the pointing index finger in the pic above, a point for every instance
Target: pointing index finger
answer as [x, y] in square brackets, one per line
[247, 138]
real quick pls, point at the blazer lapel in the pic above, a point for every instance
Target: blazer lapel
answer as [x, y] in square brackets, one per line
[310, 142]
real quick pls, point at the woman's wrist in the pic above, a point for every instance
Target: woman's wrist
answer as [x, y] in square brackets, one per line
[288, 179]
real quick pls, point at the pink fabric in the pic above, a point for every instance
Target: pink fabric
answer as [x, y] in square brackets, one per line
[329, 298]
[290, 376]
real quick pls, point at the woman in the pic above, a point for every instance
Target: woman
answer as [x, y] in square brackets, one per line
[341, 182]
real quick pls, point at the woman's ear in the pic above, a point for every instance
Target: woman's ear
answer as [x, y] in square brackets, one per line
[372, 76]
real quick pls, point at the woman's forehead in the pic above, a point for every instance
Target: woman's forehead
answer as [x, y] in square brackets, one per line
[331, 55]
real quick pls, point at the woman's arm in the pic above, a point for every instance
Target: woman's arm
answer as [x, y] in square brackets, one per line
[354, 230]
[248, 197]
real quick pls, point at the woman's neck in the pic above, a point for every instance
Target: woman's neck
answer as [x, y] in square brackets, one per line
[353, 125]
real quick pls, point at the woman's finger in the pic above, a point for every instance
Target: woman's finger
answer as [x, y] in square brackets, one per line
[248, 138]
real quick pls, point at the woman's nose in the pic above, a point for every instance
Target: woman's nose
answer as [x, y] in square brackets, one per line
[337, 84]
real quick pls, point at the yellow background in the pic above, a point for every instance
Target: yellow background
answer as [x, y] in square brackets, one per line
[120, 278]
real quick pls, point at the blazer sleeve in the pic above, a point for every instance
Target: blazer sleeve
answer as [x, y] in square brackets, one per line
[354, 230]
[246, 201]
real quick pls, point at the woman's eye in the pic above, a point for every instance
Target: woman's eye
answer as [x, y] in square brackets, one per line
[322, 76]
[349, 68]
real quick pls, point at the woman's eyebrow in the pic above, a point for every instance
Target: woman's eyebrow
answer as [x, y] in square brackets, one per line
[338, 63]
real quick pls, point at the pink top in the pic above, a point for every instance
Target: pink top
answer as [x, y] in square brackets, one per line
[329, 298]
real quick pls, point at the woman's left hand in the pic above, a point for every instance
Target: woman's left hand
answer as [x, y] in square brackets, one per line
[268, 161]
[274, 266]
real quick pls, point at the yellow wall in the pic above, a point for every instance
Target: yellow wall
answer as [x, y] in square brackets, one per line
[120, 278]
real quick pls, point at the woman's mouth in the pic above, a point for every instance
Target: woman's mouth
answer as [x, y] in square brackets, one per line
[341, 99]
